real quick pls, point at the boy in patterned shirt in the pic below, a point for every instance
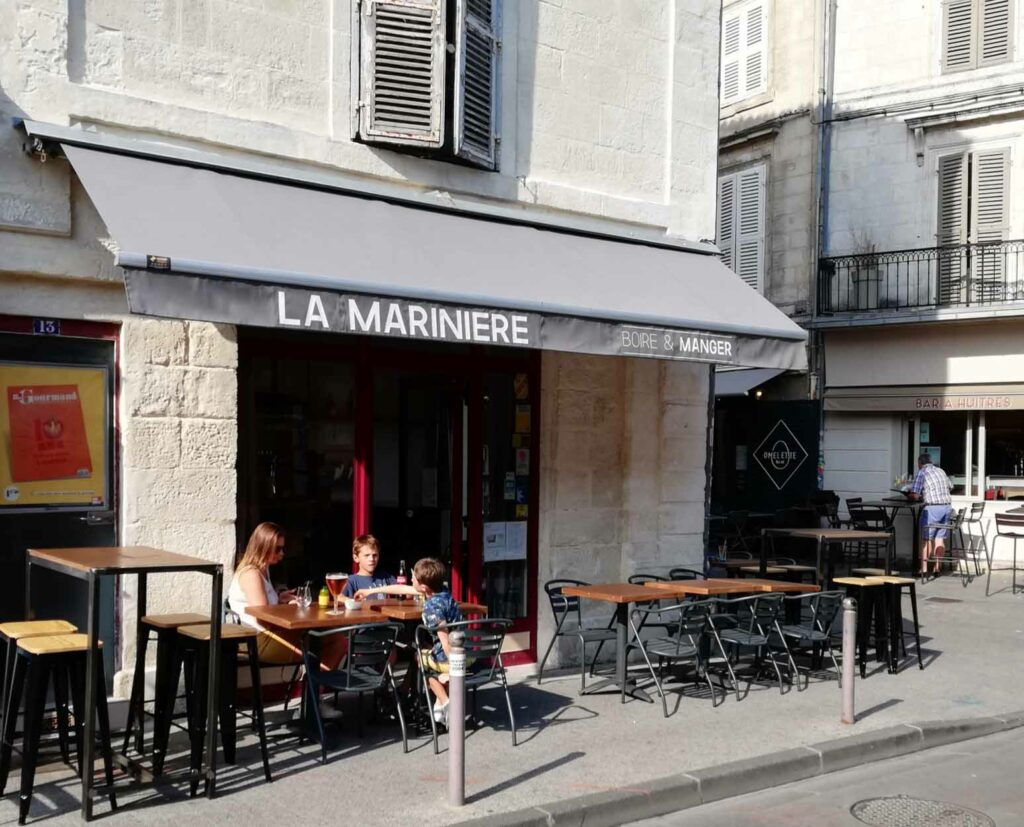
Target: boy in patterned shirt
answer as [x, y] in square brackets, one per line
[439, 610]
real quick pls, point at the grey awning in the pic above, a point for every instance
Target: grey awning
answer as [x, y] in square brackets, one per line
[739, 382]
[925, 398]
[203, 244]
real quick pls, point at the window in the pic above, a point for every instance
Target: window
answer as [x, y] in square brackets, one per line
[428, 75]
[976, 33]
[1004, 455]
[741, 198]
[744, 52]
[973, 190]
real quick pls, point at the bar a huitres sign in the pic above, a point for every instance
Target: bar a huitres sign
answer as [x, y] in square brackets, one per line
[323, 311]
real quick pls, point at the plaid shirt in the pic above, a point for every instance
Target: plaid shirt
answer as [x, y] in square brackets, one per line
[932, 482]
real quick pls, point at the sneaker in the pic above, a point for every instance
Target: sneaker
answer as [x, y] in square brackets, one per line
[444, 715]
[440, 713]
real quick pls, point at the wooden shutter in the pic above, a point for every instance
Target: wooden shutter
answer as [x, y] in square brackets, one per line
[749, 264]
[726, 234]
[958, 35]
[755, 78]
[989, 222]
[731, 56]
[996, 32]
[476, 81]
[402, 70]
[952, 225]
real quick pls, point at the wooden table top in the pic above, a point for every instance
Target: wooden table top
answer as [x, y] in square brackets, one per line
[292, 617]
[702, 588]
[118, 559]
[833, 534]
[627, 592]
[408, 610]
[783, 586]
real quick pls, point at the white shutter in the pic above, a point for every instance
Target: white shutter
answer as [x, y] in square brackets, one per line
[726, 234]
[990, 219]
[996, 32]
[731, 55]
[402, 72]
[749, 264]
[755, 79]
[952, 225]
[959, 42]
[476, 81]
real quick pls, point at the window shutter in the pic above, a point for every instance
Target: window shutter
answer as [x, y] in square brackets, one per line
[476, 76]
[952, 221]
[990, 220]
[731, 59]
[996, 28]
[726, 234]
[958, 35]
[750, 227]
[755, 77]
[402, 72]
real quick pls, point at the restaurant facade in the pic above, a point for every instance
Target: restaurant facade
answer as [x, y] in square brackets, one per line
[241, 317]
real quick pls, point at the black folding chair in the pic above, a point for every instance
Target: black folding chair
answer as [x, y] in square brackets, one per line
[366, 668]
[683, 573]
[756, 618]
[1008, 527]
[813, 631]
[567, 608]
[482, 647]
[684, 628]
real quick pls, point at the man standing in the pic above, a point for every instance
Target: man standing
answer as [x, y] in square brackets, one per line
[932, 486]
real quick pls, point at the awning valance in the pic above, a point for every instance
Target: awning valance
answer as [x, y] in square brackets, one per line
[926, 398]
[741, 381]
[204, 244]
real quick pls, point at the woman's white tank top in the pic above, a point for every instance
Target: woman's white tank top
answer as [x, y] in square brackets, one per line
[238, 603]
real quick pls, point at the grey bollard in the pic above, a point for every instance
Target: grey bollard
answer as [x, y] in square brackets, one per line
[456, 719]
[849, 657]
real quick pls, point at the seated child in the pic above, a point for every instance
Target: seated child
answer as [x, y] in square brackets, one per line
[366, 554]
[439, 610]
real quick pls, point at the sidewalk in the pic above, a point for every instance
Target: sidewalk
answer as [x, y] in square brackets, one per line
[572, 746]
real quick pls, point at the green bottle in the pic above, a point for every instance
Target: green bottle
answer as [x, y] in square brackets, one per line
[324, 598]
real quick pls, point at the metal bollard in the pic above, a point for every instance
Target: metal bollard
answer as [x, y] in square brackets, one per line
[849, 657]
[456, 719]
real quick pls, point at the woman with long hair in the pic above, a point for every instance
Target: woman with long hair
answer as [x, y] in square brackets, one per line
[251, 586]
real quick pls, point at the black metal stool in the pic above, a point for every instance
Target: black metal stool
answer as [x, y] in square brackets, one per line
[894, 586]
[869, 595]
[192, 652]
[165, 628]
[64, 656]
[11, 633]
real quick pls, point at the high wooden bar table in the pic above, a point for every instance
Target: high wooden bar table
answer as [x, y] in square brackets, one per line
[91, 564]
[825, 537]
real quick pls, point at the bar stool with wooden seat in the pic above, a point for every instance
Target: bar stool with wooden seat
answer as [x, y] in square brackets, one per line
[869, 595]
[192, 652]
[63, 656]
[17, 630]
[165, 628]
[895, 586]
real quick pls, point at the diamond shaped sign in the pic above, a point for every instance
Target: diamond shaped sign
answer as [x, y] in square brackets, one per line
[780, 454]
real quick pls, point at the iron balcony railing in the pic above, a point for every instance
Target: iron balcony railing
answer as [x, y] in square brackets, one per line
[964, 275]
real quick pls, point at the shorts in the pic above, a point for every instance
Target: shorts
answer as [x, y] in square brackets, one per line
[932, 514]
[429, 664]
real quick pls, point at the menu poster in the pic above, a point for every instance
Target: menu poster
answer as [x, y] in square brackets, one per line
[54, 423]
[522, 422]
[47, 433]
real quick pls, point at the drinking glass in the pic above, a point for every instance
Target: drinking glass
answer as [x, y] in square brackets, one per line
[335, 585]
[303, 596]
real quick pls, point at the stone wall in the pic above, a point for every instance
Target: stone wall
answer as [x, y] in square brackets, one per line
[623, 447]
[179, 441]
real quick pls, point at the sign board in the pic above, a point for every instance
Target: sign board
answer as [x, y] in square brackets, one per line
[53, 436]
[780, 455]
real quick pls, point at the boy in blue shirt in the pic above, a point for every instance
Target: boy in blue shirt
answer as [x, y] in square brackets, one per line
[439, 610]
[366, 554]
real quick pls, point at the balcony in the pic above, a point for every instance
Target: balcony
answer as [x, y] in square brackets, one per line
[960, 277]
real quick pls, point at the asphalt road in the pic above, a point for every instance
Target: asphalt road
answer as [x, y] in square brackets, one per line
[983, 774]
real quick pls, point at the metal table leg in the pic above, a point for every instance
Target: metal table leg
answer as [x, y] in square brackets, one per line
[213, 689]
[89, 735]
[620, 681]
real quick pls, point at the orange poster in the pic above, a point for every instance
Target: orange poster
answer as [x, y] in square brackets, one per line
[54, 426]
[47, 433]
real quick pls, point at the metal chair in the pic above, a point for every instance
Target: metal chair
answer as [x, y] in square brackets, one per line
[869, 518]
[563, 606]
[231, 616]
[756, 617]
[954, 532]
[482, 647]
[1009, 527]
[817, 613]
[683, 573]
[685, 625]
[366, 668]
[976, 542]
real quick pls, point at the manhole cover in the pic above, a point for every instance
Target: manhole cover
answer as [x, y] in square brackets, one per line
[943, 600]
[916, 812]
